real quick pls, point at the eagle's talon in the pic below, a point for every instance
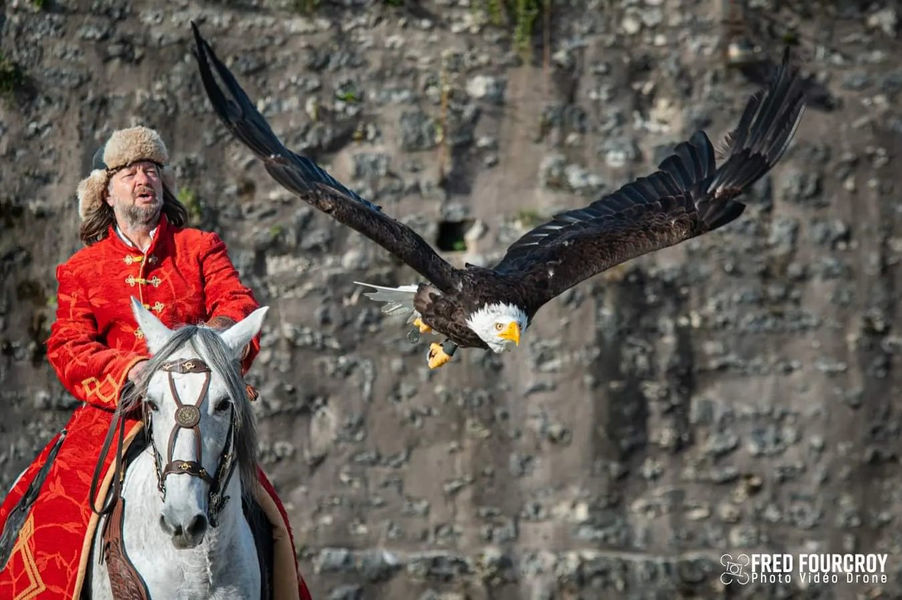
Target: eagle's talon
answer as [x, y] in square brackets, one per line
[423, 327]
[437, 356]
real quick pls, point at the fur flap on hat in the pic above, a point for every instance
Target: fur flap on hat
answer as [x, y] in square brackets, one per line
[90, 192]
[124, 147]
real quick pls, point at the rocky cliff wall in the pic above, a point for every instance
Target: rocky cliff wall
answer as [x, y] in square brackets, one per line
[737, 393]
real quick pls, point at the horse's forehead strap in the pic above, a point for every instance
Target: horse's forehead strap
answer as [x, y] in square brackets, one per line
[185, 365]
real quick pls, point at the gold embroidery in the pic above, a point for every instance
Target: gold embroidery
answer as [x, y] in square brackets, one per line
[35, 584]
[139, 334]
[154, 281]
[133, 258]
[132, 280]
[93, 388]
[158, 306]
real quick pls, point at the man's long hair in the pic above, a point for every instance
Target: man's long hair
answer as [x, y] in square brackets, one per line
[97, 223]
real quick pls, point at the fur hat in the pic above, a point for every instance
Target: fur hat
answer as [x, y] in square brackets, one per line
[124, 147]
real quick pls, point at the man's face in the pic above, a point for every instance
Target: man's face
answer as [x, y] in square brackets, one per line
[136, 194]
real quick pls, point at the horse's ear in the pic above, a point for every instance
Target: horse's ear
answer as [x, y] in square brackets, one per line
[238, 335]
[155, 333]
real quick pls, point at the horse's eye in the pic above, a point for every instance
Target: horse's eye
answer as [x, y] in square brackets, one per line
[152, 405]
[222, 404]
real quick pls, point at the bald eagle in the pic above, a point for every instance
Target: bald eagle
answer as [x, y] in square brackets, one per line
[491, 307]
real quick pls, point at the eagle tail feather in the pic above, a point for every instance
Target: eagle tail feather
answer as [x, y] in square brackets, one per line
[397, 301]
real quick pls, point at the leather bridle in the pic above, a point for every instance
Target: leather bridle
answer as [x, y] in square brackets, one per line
[187, 416]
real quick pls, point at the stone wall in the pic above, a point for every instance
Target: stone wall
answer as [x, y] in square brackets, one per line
[736, 393]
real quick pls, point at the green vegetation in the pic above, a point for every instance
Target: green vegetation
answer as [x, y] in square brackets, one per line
[520, 14]
[39, 4]
[791, 38]
[12, 78]
[440, 131]
[494, 10]
[348, 92]
[349, 96]
[529, 218]
[452, 235]
[525, 14]
[305, 6]
[189, 198]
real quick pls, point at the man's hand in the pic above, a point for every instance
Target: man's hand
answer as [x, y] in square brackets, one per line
[134, 374]
[219, 323]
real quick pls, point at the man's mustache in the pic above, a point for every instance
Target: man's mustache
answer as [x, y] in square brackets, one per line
[145, 190]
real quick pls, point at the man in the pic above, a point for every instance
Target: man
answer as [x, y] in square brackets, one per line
[136, 246]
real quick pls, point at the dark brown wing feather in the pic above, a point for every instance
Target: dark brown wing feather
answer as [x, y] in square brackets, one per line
[308, 180]
[688, 196]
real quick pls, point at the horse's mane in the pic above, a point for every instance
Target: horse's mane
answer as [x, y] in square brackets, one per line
[207, 344]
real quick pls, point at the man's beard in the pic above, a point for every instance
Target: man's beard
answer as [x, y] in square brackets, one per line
[142, 216]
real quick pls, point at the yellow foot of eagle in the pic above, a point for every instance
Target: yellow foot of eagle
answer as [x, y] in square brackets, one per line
[437, 356]
[423, 327]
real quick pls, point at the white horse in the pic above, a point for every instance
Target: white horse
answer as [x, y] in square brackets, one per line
[183, 527]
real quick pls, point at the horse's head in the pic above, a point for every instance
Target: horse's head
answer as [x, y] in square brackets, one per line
[199, 417]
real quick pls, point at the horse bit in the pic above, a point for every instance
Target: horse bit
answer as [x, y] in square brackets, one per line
[187, 416]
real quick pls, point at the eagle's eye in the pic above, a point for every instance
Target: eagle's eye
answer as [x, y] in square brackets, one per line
[498, 326]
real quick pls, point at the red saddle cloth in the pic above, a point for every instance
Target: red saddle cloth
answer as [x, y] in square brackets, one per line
[49, 558]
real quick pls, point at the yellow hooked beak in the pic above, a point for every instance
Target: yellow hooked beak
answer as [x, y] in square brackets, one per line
[511, 332]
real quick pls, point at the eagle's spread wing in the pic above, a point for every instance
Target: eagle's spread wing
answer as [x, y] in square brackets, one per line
[308, 180]
[686, 197]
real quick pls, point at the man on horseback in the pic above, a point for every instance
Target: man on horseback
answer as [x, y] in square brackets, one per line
[137, 245]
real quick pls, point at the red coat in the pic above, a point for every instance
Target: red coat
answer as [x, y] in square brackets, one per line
[185, 277]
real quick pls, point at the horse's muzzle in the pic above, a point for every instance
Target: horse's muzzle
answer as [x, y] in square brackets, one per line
[185, 535]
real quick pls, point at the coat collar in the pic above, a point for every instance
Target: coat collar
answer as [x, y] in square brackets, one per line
[162, 229]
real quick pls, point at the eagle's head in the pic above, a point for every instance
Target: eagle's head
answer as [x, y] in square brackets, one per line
[498, 325]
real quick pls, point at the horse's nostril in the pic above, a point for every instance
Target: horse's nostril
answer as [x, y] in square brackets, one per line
[197, 526]
[164, 525]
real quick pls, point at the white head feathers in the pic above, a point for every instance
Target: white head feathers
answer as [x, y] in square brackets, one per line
[493, 320]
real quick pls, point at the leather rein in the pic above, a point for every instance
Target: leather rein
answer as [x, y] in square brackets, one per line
[187, 416]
